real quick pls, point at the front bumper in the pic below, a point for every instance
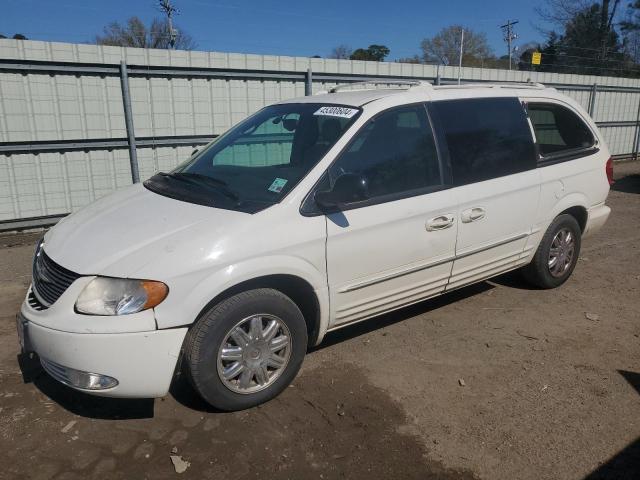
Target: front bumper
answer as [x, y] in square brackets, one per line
[143, 363]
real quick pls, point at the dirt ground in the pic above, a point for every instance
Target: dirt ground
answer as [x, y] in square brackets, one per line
[551, 389]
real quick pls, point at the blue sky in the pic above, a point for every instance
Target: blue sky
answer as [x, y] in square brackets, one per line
[279, 27]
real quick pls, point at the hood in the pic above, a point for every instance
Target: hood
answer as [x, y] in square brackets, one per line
[121, 233]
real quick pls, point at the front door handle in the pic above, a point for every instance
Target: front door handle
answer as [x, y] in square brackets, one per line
[472, 214]
[440, 222]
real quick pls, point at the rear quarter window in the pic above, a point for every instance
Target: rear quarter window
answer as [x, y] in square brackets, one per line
[485, 137]
[558, 129]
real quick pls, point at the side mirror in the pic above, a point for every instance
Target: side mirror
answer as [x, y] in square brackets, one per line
[348, 188]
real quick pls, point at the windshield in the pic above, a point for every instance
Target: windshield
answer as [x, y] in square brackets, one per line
[257, 162]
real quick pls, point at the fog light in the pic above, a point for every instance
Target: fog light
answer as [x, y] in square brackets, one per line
[78, 378]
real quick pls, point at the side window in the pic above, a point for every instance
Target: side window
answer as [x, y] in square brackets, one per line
[395, 152]
[558, 129]
[486, 138]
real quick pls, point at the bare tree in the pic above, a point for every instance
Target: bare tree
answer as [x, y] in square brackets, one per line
[559, 12]
[445, 47]
[342, 52]
[415, 59]
[135, 34]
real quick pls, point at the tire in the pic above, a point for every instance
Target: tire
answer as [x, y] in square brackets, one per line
[542, 272]
[207, 364]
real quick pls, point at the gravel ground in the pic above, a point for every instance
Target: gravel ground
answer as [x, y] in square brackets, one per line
[495, 381]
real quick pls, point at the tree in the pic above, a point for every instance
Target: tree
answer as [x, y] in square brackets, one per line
[374, 53]
[17, 36]
[341, 52]
[135, 34]
[589, 45]
[558, 13]
[445, 47]
[414, 59]
[630, 27]
[525, 56]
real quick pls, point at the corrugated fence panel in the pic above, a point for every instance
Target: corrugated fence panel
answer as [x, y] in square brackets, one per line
[45, 106]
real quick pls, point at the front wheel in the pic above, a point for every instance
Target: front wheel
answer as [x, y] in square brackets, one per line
[246, 349]
[557, 254]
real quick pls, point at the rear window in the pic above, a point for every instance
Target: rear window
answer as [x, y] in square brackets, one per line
[485, 137]
[558, 129]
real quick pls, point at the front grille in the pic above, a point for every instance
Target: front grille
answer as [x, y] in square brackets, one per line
[50, 280]
[34, 302]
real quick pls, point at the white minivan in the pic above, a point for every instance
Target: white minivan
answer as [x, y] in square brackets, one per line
[310, 215]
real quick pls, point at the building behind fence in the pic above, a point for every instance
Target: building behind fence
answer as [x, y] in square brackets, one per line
[79, 121]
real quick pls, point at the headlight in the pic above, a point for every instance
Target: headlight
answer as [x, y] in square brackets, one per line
[120, 296]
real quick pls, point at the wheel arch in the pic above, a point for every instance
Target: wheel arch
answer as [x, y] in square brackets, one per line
[574, 204]
[579, 213]
[299, 290]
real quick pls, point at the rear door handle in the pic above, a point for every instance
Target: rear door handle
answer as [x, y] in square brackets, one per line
[472, 214]
[440, 222]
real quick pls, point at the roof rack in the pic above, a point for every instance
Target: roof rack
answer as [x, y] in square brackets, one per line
[536, 85]
[380, 81]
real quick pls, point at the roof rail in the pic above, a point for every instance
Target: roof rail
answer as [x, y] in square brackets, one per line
[506, 84]
[381, 81]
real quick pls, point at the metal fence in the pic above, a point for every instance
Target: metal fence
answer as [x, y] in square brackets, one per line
[79, 121]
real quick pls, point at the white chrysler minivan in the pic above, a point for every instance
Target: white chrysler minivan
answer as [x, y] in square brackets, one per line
[312, 214]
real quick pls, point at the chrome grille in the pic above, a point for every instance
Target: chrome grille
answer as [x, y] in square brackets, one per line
[34, 302]
[49, 280]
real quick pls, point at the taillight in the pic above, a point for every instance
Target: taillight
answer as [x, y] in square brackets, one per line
[609, 170]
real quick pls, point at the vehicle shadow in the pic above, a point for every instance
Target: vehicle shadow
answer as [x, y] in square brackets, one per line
[628, 184]
[626, 464]
[80, 403]
[513, 279]
[367, 326]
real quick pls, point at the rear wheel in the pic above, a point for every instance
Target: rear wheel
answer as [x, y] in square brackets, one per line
[557, 254]
[246, 349]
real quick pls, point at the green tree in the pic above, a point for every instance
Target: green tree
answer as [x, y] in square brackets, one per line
[444, 47]
[136, 34]
[17, 36]
[374, 53]
[589, 45]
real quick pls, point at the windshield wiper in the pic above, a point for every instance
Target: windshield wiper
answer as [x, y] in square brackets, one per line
[201, 180]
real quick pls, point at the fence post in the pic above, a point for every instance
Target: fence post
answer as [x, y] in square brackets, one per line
[636, 134]
[592, 99]
[128, 120]
[308, 86]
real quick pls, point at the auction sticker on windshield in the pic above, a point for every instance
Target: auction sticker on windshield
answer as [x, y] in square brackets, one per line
[277, 185]
[343, 112]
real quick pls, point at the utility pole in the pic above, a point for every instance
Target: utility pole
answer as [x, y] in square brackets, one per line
[461, 52]
[509, 36]
[169, 10]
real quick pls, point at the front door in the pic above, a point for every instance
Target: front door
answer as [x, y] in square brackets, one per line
[396, 247]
